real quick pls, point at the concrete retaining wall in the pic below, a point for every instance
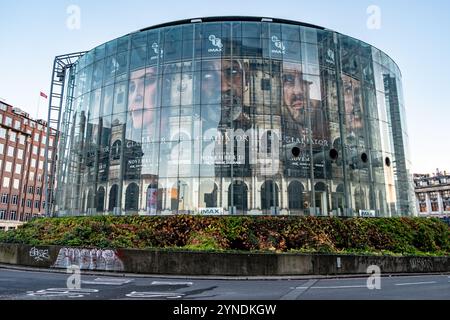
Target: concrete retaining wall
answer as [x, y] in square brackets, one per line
[219, 264]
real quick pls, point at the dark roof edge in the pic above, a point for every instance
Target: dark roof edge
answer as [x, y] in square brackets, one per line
[231, 18]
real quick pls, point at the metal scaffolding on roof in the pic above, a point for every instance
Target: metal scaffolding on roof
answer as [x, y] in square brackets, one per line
[58, 122]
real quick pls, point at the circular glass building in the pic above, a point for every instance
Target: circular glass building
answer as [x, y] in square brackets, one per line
[235, 115]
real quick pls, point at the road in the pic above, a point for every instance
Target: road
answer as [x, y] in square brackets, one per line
[37, 285]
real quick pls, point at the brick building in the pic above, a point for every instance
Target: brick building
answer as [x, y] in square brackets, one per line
[22, 158]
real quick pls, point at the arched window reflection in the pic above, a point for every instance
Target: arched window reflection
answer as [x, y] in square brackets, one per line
[132, 197]
[101, 199]
[269, 195]
[360, 201]
[320, 190]
[338, 199]
[208, 194]
[296, 196]
[113, 197]
[237, 196]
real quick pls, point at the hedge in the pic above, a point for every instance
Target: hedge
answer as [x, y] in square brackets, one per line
[398, 236]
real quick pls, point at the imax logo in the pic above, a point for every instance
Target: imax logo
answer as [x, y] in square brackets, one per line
[155, 48]
[211, 211]
[216, 42]
[281, 49]
[330, 56]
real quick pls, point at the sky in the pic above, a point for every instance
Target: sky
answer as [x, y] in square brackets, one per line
[415, 33]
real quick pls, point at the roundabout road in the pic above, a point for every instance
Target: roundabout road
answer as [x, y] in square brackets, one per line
[45, 285]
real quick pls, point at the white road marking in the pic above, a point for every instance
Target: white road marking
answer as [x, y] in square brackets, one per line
[414, 283]
[108, 281]
[62, 292]
[159, 283]
[168, 295]
[298, 291]
[339, 287]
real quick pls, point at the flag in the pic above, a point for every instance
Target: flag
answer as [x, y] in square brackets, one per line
[43, 95]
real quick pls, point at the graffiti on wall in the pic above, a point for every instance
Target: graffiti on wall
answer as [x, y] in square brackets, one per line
[39, 254]
[89, 259]
[422, 264]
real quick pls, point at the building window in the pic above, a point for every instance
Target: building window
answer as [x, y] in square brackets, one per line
[36, 204]
[13, 215]
[38, 190]
[33, 163]
[21, 139]
[2, 148]
[434, 206]
[2, 133]
[5, 198]
[20, 154]
[16, 184]
[422, 196]
[29, 203]
[36, 137]
[8, 166]
[17, 125]
[446, 204]
[12, 136]
[35, 150]
[115, 150]
[14, 199]
[31, 190]
[423, 207]
[31, 176]
[2, 215]
[446, 200]
[42, 152]
[8, 121]
[6, 181]
[434, 195]
[10, 151]
[18, 169]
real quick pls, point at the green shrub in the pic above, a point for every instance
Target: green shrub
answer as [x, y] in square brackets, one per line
[394, 236]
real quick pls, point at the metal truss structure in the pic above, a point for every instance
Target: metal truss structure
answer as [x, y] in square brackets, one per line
[58, 123]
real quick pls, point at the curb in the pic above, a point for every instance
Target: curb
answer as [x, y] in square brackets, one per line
[249, 278]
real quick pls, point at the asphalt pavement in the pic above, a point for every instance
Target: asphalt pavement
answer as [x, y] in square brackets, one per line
[47, 285]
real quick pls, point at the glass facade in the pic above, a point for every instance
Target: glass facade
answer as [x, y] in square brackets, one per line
[236, 117]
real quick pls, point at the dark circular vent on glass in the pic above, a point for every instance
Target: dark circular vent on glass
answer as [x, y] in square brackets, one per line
[388, 161]
[364, 157]
[334, 154]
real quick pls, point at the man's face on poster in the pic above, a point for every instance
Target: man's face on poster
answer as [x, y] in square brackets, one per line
[223, 83]
[294, 92]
